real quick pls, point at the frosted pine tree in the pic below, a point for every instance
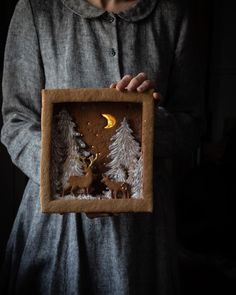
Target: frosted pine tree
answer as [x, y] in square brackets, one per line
[67, 145]
[136, 177]
[59, 146]
[71, 166]
[75, 148]
[124, 149]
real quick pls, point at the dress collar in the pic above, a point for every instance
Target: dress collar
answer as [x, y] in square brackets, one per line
[86, 10]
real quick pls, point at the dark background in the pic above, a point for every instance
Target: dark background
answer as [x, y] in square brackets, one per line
[206, 182]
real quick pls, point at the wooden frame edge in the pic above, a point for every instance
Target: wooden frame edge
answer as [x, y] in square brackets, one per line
[52, 96]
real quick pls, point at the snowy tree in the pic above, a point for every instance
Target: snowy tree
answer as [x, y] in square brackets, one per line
[136, 177]
[71, 166]
[67, 145]
[124, 149]
[59, 147]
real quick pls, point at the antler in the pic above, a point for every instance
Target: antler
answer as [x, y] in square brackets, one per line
[83, 159]
[92, 159]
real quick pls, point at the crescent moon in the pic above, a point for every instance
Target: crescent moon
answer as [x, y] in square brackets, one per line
[111, 121]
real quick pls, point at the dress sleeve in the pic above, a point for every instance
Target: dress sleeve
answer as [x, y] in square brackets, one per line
[180, 116]
[23, 79]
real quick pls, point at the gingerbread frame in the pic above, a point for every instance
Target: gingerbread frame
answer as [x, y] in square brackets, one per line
[54, 96]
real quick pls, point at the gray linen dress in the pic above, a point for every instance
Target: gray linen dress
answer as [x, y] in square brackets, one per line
[66, 44]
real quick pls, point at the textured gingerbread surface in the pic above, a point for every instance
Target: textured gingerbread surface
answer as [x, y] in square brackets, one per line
[91, 124]
[86, 107]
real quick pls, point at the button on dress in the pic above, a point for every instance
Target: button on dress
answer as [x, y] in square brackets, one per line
[72, 44]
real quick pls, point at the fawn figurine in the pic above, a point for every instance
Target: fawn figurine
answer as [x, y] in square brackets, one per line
[117, 187]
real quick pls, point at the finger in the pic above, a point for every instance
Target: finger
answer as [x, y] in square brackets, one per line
[121, 85]
[157, 96]
[146, 85]
[113, 85]
[136, 81]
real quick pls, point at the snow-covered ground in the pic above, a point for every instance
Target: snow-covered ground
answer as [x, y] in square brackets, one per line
[105, 196]
[82, 197]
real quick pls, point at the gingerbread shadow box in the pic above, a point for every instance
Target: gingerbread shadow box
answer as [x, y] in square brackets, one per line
[97, 151]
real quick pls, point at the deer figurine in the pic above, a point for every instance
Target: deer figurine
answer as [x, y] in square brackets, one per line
[117, 187]
[84, 181]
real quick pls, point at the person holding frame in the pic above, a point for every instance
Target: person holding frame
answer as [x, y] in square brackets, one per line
[127, 45]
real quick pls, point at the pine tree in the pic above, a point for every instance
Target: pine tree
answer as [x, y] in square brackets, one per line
[71, 166]
[136, 178]
[123, 150]
[59, 146]
[67, 145]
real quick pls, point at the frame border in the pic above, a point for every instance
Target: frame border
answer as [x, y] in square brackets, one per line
[53, 96]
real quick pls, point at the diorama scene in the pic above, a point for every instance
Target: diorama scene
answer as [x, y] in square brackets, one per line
[96, 150]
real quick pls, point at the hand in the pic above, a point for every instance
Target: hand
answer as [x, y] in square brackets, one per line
[139, 83]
